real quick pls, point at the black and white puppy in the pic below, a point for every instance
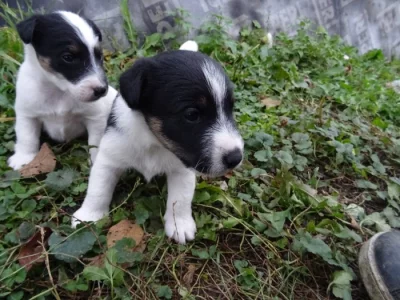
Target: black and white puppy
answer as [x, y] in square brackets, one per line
[58, 84]
[174, 116]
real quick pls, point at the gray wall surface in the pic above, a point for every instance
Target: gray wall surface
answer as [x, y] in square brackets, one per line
[366, 24]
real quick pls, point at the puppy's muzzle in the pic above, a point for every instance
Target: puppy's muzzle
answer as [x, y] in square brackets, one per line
[233, 158]
[99, 92]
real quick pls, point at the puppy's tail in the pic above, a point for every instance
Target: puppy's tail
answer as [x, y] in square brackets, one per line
[190, 46]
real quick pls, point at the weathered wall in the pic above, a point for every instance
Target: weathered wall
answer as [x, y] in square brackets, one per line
[365, 24]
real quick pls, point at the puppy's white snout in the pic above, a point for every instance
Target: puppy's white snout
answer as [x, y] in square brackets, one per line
[233, 158]
[99, 92]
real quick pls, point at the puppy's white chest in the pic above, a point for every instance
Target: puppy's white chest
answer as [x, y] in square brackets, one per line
[63, 127]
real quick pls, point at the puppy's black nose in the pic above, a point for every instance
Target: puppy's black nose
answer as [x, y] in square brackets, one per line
[99, 92]
[232, 159]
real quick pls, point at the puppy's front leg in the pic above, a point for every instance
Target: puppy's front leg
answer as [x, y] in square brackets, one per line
[102, 180]
[179, 223]
[95, 131]
[27, 130]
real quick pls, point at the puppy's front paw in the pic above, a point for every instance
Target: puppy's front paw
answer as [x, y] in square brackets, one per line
[19, 159]
[180, 228]
[85, 215]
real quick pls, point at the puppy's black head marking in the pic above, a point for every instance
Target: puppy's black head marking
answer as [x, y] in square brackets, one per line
[26, 28]
[132, 82]
[59, 44]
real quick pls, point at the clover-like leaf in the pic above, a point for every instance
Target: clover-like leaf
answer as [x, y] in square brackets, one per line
[284, 157]
[69, 249]
[60, 180]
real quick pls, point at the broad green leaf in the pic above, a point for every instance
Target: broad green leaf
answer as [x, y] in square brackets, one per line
[203, 254]
[94, 273]
[164, 291]
[393, 190]
[377, 219]
[202, 196]
[304, 241]
[115, 274]
[395, 180]
[124, 251]
[264, 138]
[263, 155]
[365, 184]
[257, 172]
[356, 211]
[300, 162]
[240, 264]
[16, 295]
[300, 138]
[340, 284]
[284, 157]
[70, 248]
[392, 217]
[276, 219]
[60, 180]
[230, 222]
[347, 233]
[8, 177]
[141, 213]
[28, 205]
[25, 231]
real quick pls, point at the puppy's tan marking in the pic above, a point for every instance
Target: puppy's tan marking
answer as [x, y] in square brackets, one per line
[45, 63]
[155, 125]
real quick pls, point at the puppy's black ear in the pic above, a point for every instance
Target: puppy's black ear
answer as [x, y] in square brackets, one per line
[132, 82]
[26, 28]
[96, 29]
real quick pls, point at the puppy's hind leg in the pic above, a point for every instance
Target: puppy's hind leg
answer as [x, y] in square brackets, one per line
[102, 180]
[179, 223]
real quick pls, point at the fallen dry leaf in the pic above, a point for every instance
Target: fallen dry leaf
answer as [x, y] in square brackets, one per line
[284, 122]
[354, 223]
[44, 162]
[125, 229]
[31, 252]
[188, 277]
[268, 102]
[97, 261]
[228, 174]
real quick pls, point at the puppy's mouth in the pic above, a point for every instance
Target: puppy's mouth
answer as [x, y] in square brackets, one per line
[209, 171]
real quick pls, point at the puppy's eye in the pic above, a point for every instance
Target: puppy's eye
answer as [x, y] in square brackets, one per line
[192, 115]
[68, 57]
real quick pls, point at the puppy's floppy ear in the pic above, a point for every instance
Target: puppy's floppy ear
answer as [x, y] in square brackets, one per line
[96, 29]
[132, 81]
[26, 28]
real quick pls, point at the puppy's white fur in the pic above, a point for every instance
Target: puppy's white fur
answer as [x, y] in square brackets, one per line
[133, 145]
[47, 100]
[189, 46]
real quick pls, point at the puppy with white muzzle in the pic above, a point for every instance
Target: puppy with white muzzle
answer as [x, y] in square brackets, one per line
[61, 85]
[174, 117]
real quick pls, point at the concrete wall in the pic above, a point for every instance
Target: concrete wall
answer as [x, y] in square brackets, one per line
[366, 24]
